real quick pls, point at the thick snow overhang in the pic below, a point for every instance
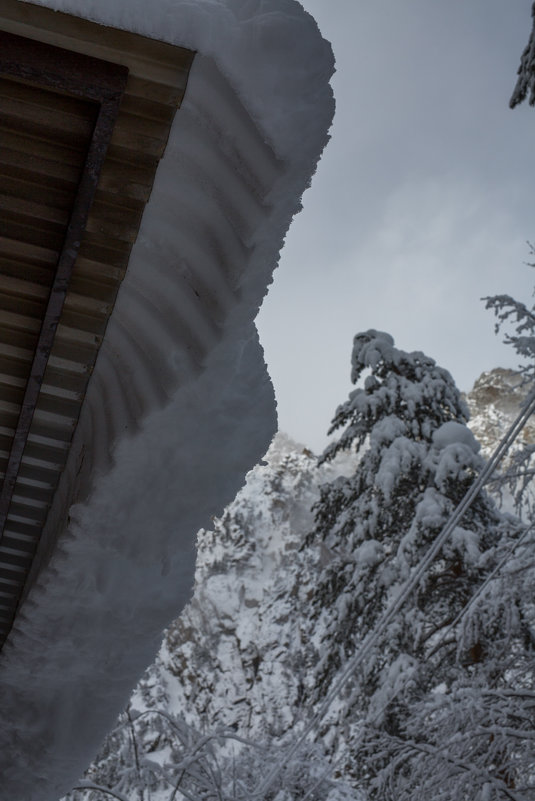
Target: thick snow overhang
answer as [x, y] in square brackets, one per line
[118, 472]
[81, 140]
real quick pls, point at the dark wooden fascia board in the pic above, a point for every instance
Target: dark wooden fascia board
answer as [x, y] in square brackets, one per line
[146, 58]
[62, 70]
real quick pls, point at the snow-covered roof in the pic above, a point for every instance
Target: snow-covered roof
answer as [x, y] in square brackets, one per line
[179, 405]
[82, 132]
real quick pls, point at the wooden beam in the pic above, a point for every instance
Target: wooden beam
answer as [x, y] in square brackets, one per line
[103, 83]
[40, 168]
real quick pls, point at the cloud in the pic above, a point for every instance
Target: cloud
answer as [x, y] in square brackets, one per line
[421, 204]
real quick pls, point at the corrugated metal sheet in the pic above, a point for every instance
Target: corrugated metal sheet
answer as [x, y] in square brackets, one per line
[44, 137]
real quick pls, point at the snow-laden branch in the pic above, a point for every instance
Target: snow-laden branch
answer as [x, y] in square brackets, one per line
[444, 755]
[405, 592]
[97, 788]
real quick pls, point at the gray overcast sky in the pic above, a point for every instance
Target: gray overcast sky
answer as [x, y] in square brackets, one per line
[422, 202]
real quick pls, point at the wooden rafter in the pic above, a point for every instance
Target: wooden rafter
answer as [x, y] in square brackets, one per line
[69, 216]
[103, 83]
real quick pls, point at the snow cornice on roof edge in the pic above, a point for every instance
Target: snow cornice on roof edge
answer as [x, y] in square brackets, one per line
[180, 405]
[271, 52]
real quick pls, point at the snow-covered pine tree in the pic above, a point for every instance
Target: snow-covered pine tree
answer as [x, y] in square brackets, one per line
[418, 459]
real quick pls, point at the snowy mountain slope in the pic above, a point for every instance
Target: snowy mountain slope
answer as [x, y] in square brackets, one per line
[494, 402]
[243, 624]
[236, 659]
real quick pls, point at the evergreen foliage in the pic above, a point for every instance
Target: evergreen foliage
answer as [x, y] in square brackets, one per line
[444, 707]
[520, 319]
[418, 459]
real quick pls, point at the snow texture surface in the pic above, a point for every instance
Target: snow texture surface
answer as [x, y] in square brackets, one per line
[244, 650]
[174, 430]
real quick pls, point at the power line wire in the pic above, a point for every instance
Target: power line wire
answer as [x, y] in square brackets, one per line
[396, 606]
[465, 609]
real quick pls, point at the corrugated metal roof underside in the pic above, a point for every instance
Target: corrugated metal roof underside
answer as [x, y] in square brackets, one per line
[44, 138]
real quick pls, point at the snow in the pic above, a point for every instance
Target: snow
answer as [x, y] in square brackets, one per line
[394, 677]
[455, 453]
[398, 459]
[370, 553]
[124, 569]
[431, 509]
[451, 433]
[270, 50]
[247, 584]
[236, 656]
[173, 430]
[465, 543]
[247, 647]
